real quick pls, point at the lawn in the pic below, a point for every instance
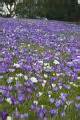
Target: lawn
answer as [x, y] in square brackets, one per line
[39, 70]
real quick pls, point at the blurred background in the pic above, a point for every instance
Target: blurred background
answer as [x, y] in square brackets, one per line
[65, 10]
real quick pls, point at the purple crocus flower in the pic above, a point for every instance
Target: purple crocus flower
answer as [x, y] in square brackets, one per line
[33, 106]
[51, 100]
[21, 98]
[41, 113]
[55, 89]
[1, 99]
[63, 113]
[58, 103]
[24, 116]
[77, 97]
[13, 100]
[3, 68]
[63, 96]
[37, 67]
[53, 112]
[53, 79]
[74, 76]
[29, 90]
[29, 59]
[4, 115]
[27, 67]
[77, 105]
[68, 87]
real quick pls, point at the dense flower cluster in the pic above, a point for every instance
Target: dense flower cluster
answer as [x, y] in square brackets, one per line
[39, 70]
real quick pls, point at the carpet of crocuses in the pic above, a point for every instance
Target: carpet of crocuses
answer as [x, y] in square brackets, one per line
[39, 70]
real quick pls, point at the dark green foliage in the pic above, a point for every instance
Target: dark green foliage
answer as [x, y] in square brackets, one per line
[61, 9]
[51, 9]
[26, 9]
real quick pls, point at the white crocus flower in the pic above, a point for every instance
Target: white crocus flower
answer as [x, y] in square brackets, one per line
[78, 78]
[45, 76]
[65, 107]
[11, 70]
[35, 102]
[71, 83]
[46, 64]
[9, 118]
[44, 83]
[34, 79]
[41, 62]
[69, 102]
[75, 85]
[19, 75]
[10, 79]
[42, 106]
[29, 45]
[48, 67]
[1, 76]
[40, 93]
[53, 85]
[60, 87]
[25, 77]
[49, 96]
[9, 100]
[16, 65]
[58, 74]
[49, 92]
[44, 68]
[16, 78]
[56, 62]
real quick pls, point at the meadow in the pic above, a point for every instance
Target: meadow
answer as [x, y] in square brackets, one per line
[39, 70]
